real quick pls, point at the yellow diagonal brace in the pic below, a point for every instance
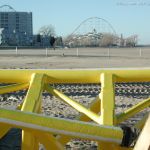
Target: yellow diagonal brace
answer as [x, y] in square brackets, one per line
[74, 104]
[32, 104]
[61, 126]
[19, 106]
[107, 97]
[133, 110]
[13, 87]
[94, 106]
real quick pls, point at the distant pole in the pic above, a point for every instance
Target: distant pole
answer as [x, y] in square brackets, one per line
[16, 51]
[140, 52]
[108, 52]
[46, 52]
[77, 51]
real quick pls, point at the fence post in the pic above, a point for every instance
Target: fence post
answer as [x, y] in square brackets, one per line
[46, 52]
[16, 51]
[108, 52]
[140, 52]
[77, 52]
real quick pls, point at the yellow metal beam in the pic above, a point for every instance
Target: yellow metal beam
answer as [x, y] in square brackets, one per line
[133, 110]
[107, 97]
[74, 104]
[75, 76]
[4, 129]
[143, 142]
[140, 124]
[48, 140]
[67, 127]
[94, 106]
[32, 104]
[19, 106]
[33, 97]
[13, 88]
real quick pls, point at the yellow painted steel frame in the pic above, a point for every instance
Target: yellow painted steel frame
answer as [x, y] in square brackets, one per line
[53, 132]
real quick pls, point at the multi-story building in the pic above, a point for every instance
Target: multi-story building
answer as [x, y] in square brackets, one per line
[17, 28]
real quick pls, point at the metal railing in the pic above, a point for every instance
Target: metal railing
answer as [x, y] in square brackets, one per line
[78, 52]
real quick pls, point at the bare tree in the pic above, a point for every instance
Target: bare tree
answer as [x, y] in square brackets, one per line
[95, 40]
[132, 41]
[47, 31]
[108, 39]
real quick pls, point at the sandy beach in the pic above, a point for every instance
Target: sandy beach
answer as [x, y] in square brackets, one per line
[68, 58]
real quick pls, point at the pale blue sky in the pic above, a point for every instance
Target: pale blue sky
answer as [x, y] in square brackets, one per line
[126, 16]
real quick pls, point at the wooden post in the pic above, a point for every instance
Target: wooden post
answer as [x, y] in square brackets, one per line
[140, 52]
[16, 51]
[46, 52]
[108, 52]
[77, 52]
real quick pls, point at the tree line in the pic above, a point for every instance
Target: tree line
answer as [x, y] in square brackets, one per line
[46, 37]
[100, 40]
